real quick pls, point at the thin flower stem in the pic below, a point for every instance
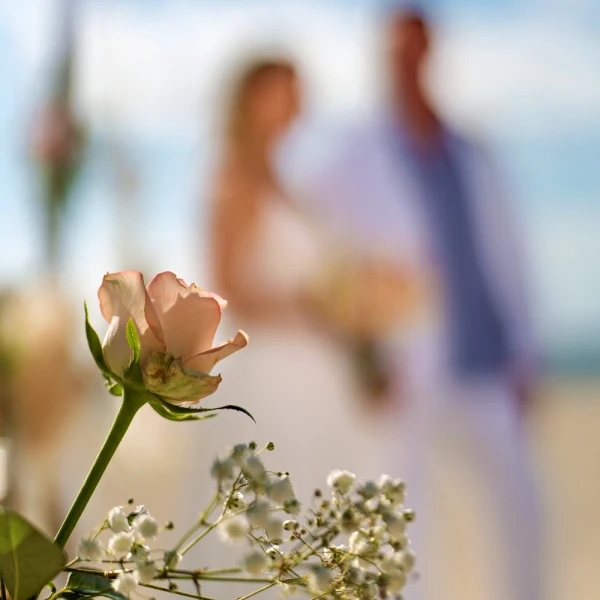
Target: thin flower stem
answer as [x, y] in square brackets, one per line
[236, 579]
[199, 522]
[133, 400]
[258, 591]
[222, 571]
[177, 592]
[2, 589]
[87, 571]
[189, 546]
[198, 572]
[222, 518]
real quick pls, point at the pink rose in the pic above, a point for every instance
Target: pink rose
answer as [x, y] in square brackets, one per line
[176, 324]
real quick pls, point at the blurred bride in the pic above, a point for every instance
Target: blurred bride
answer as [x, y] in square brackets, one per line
[268, 258]
[292, 288]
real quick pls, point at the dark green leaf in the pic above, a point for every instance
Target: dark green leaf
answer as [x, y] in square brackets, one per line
[95, 346]
[160, 407]
[188, 410]
[235, 407]
[28, 558]
[90, 585]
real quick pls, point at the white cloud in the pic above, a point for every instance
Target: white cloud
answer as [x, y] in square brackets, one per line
[531, 74]
[146, 71]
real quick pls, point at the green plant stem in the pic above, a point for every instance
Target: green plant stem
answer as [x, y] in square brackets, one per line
[258, 591]
[2, 589]
[163, 589]
[199, 522]
[57, 594]
[133, 400]
[234, 579]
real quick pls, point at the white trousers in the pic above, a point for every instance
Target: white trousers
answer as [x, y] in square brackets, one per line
[463, 455]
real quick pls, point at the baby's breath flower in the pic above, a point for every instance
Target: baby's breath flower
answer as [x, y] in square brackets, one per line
[340, 480]
[396, 581]
[349, 521]
[355, 575]
[290, 525]
[236, 500]
[255, 562]
[408, 559]
[368, 490]
[274, 530]
[146, 571]
[172, 559]
[393, 489]
[281, 490]
[368, 591]
[292, 506]
[223, 470]
[90, 549]
[233, 530]
[254, 467]
[117, 519]
[259, 513]
[146, 526]
[390, 562]
[285, 589]
[139, 553]
[125, 583]
[275, 556]
[320, 580]
[239, 453]
[121, 543]
[400, 542]
[396, 525]
[377, 532]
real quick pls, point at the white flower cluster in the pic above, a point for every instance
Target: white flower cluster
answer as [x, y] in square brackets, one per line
[350, 543]
[130, 560]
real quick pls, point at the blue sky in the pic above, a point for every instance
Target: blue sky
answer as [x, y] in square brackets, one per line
[148, 79]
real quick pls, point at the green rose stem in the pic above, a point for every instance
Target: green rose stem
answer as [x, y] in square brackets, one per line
[133, 400]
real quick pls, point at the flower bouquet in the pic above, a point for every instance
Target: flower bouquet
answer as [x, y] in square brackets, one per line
[349, 542]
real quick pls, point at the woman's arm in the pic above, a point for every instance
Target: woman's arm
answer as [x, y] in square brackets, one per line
[236, 211]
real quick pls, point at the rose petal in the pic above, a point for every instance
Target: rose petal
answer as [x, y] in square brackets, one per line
[123, 295]
[189, 316]
[205, 361]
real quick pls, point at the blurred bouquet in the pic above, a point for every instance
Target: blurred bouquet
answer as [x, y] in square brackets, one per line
[351, 542]
[368, 296]
[366, 300]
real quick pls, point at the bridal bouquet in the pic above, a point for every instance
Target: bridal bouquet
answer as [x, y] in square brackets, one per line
[349, 542]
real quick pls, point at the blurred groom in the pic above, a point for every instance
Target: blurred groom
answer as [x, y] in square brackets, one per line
[433, 199]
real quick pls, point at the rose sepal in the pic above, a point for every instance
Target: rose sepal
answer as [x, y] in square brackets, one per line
[176, 412]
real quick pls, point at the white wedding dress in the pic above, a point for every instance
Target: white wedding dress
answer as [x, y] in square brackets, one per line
[296, 382]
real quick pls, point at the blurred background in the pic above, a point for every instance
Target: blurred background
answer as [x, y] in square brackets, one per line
[110, 144]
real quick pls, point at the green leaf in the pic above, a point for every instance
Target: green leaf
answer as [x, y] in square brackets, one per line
[235, 407]
[116, 389]
[133, 339]
[95, 346]
[90, 585]
[160, 407]
[188, 410]
[28, 558]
